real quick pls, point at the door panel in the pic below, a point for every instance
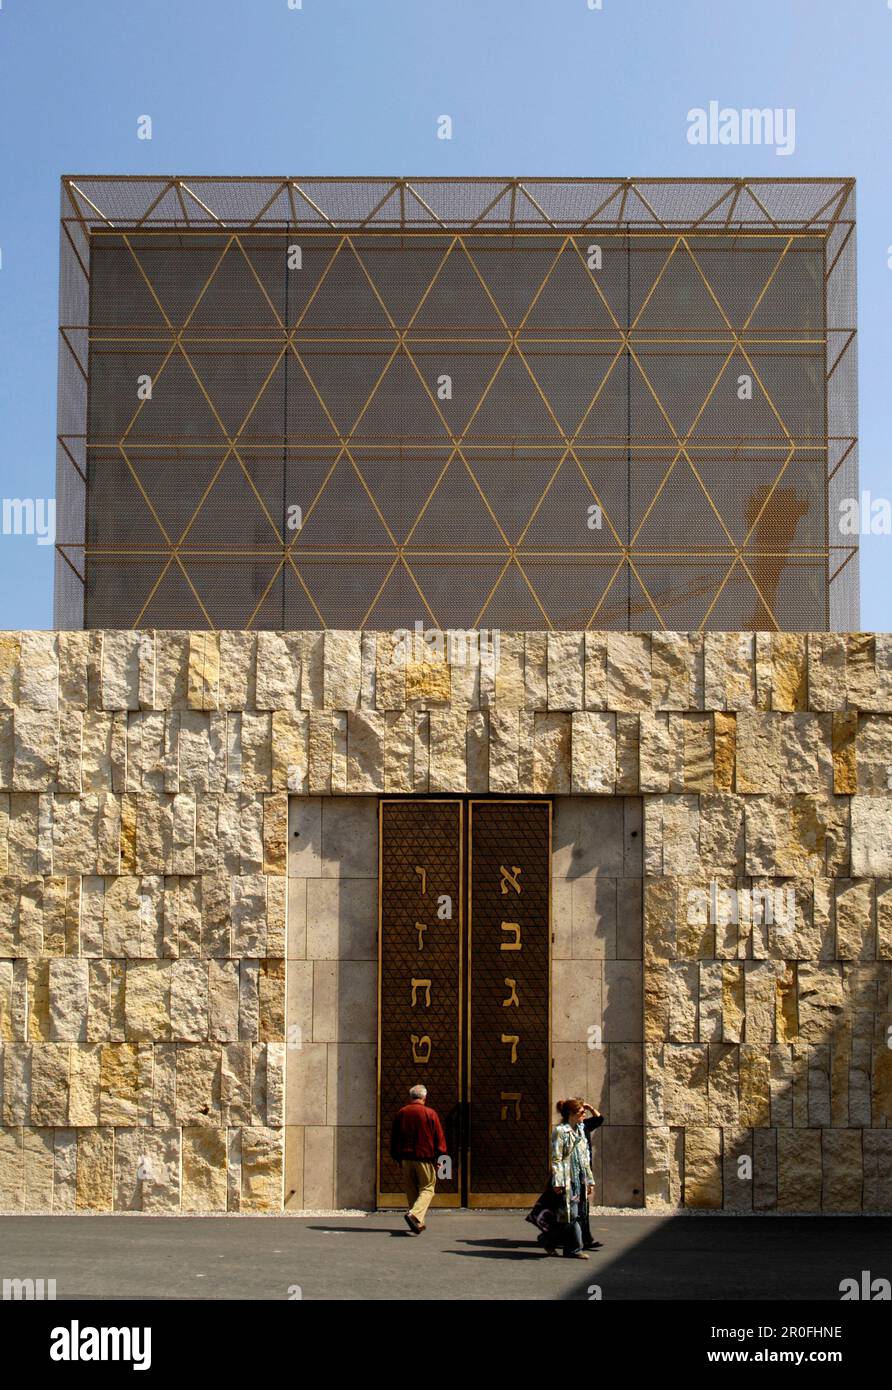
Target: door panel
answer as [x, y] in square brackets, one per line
[420, 976]
[465, 1010]
[509, 950]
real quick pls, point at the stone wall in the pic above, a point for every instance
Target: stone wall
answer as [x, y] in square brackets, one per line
[144, 787]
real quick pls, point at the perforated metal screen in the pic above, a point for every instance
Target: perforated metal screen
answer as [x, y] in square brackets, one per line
[521, 404]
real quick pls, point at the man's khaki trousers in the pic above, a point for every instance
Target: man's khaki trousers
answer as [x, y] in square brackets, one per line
[419, 1182]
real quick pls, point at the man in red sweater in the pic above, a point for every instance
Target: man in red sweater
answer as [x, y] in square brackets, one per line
[416, 1142]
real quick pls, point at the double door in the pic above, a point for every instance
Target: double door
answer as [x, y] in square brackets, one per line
[464, 946]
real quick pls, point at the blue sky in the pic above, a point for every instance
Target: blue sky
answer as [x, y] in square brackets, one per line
[355, 87]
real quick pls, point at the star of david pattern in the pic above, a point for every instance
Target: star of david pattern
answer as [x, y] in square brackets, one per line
[464, 405]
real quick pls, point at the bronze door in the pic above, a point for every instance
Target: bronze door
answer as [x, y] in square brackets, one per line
[509, 950]
[463, 1005]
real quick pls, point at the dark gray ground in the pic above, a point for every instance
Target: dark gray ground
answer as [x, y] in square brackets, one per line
[462, 1255]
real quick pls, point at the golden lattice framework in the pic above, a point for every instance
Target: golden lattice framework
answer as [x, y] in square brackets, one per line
[495, 403]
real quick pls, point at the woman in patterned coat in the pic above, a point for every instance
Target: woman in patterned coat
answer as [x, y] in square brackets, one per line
[571, 1175]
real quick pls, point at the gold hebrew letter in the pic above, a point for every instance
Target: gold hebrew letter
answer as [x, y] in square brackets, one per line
[512, 997]
[513, 1039]
[421, 929]
[510, 876]
[516, 1096]
[422, 874]
[426, 986]
[515, 944]
[418, 1044]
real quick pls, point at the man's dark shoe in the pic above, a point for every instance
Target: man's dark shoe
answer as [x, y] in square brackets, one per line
[593, 1245]
[413, 1223]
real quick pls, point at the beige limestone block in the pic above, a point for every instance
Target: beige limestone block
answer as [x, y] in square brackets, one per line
[64, 1170]
[38, 686]
[342, 670]
[290, 751]
[710, 1002]
[861, 671]
[685, 1076]
[321, 750]
[15, 1096]
[198, 1084]
[204, 1169]
[595, 675]
[503, 750]
[535, 670]
[826, 671]
[399, 737]
[249, 915]
[855, 923]
[311, 646]
[661, 754]
[871, 836]
[695, 733]
[421, 751]
[38, 985]
[725, 751]
[120, 670]
[75, 658]
[251, 851]
[448, 750]
[275, 833]
[262, 1169]
[477, 750]
[95, 1169]
[238, 662]
[49, 1084]
[36, 752]
[271, 1000]
[759, 760]
[68, 995]
[223, 1000]
[593, 753]
[510, 681]
[38, 1163]
[189, 1000]
[873, 754]
[656, 1166]
[565, 658]
[755, 1084]
[681, 983]
[119, 1084]
[629, 671]
[428, 682]
[84, 1085]
[278, 673]
[10, 648]
[365, 751]
[171, 670]
[799, 1169]
[822, 1000]
[627, 753]
[702, 1166]
[789, 671]
[147, 1169]
[390, 672]
[677, 670]
[724, 1084]
[203, 676]
[256, 752]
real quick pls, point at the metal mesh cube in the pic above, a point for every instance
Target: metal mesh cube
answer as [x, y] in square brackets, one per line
[523, 404]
